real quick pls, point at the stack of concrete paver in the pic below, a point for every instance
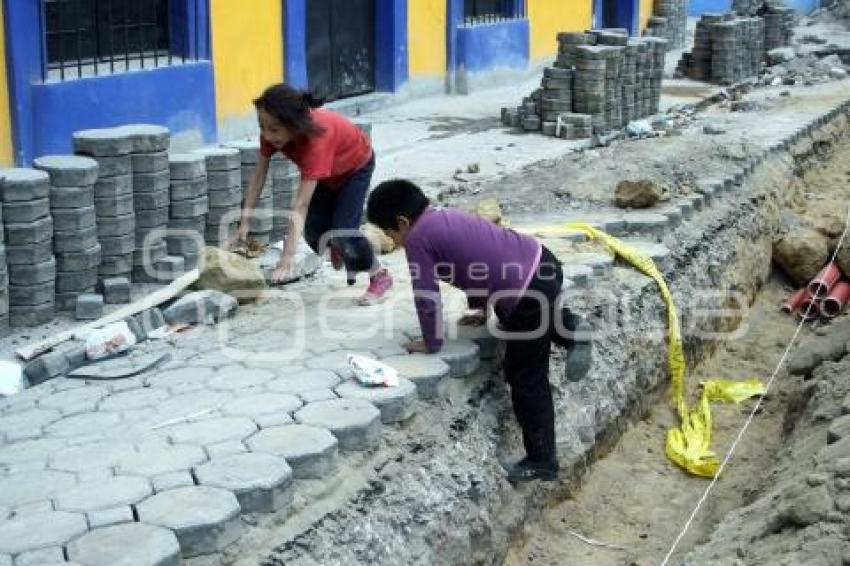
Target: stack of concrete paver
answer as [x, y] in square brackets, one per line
[72, 206]
[224, 193]
[4, 281]
[285, 181]
[778, 25]
[151, 202]
[262, 221]
[746, 7]
[28, 231]
[113, 197]
[601, 80]
[190, 206]
[675, 15]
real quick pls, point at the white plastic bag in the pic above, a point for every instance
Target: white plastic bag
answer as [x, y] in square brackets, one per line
[11, 378]
[372, 373]
[112, 339]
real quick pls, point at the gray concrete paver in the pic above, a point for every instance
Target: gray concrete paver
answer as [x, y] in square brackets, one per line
[80, 398]
[172, 480]
[153, 460]
[31, 487]
[395, 403]
[307, 380]
[259, 404]
[92, 456]
[28, 450]
[112, 492]
[133, 399]
[261, 482]
[212, 431]
[40, 557]
[108, 517]
[462, 356]
[85, 423]
[131, 544]
[427, 372]
[43, 530]
[355, 423]
[234, 378]
[310, 451]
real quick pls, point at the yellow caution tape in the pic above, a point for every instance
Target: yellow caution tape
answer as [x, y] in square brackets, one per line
[689, 446]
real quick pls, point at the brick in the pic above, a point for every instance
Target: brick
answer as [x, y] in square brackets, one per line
[149, 162]
[186, 190]
[37, 294]
[225, 198]
[105, 494]
[426, 372]
[53, 555]
[395, 403]
[579, 274]
[261, 482]
[21, 234]
[31, 315]
[310, 451]
[113, 187]
[189, 208]
[204, 519]
[30, 451]
[115, 290]
[79, 261]
[130, 543]
[220, 158]
[355, 423]
[114, 165]
[71, 197]
[85, 397]
[68, 170]
[21, 184]
[186, 166]
[152, 200]
[70, 242]
[25, 211]
[151, 182]
[33, 274]
[183, 245]
[316, 395]
[30, 253]
[157, 218]
[170, 268]
[133, 400]
[102, 142]
[118, 245]
[89, 306]
[220, 180]
[114, 266]
[76, 281]
[116, 225]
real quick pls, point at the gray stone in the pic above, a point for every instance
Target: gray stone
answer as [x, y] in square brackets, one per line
[647, 223]
[303, 381]
[201, 307]
[427, 372]
[33, 486]
[220, 158]
[838, 429]
[150, 320]
[147, 138]
[151, 182]
[249, 150]
[29, 232]
[106, 494]
[190, 208]
[186, 166]
[71, 197]
[80, 425]
[30, 253]
[33, 274]
[152, 200]
[579, 274]
[355, 423]
[41, 557]
[116, 225]
[89, 306]
[149, 162]
[260, 404]
[133, 399]
[220, 180]
[115, 266]
[67, 301]
[261, 482]
[114, 166]
[310, 451]
[187, 190]
[131, 544]
[115, 290]
[238, 378]
[87, 397]
[109, 517]
[169, 268]
[225, 198]
[65, 242]
[25, 211]
[76, 281]
[317, 395]
[75, 353]
[79, 261]
[462, 356]
[28, 451]
[113, 187]
[46, 366]
[37, 294]
[226, 448]
[212, 431]
[20, 184]
[185, 245]
[102, 455]
[31, 315]
[395, 403]
[68, 170]
[172, 480]
[153, 460]
[103, 142]
[204, 519]
[157, 218]
[273, 420]
[780, 55]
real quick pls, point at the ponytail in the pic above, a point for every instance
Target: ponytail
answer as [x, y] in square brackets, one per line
[291, 107]
[311, 101]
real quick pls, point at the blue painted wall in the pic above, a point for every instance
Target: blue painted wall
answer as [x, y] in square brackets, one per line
[698, 7]
[486, 46]
[295, 43]
[44, 115]
[627, 15]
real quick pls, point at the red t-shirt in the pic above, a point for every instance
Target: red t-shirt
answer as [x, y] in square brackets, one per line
[329, 158]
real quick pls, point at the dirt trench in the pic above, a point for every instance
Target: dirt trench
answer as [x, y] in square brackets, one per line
[781, 500]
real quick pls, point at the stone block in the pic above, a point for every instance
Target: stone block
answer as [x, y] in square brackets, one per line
[184, 245]
[118, 245]
[310, 451]
[152, 200]
[109, 517]
[237, 378]
[261, 482]
[149, 219]
[68, 170]
[147, 138]
[201, 307]
[129, 544]
[302, 381]
[172, 480]
[81, 425]
[204, 519]
[113, 187]
[186, 166]
[51, 556]
[116, 225]
[226, 198]
[71, 197]
[153, 460]
[212, 431]
[395, 403]
[33, 274]
[271, 420]
[105, 494]
[21, 184]
[30, 253]
[76, 281]
[226, 448]
[85, 398]
[114, 166]
[115, 290]
[75, 353]
[579, 274]
[187, 190]
[150, 320]
[66, 302]
[134, 399]
[37, 294]
[33, 486]
[25, 211]
[220, 158]
[115, 265]
[149, 162]
[89, 306]
[70, 242]
[29, 232]
[151, 182]
[462, 356]
[31, 315]
[317, 395]
[102, 142]
[426, 372]
[220, 180]
[355, 423]
[79, 261]
[190, 208]
[46, 366]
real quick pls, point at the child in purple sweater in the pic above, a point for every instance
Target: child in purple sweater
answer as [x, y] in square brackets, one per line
[499, 268]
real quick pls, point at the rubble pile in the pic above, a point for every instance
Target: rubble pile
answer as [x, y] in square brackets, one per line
[601, 80]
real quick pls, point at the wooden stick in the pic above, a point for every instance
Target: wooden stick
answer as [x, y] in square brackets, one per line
[173, 289]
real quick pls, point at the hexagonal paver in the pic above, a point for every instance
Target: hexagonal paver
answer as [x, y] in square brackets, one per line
[39, 531]
[235, 378]
[261, 482]
[97, 455]
[130, 544]
[260, 404]
[355, 423]
[188, 377]
[112, 492]
[427, 372]
[488, 345]
[184, 405]
[302, 381]
[462, 356]
[31, 421]
[74, 400]
[29, 450]
[109, 517]
[83, 425]
[212, 431]
[172, 480]
[134, 399]
[317, 395]
[395, 403]
[153, 460]
[28, 487]
[52, 556]
[204, 519]
[310, 451]
[336, 362]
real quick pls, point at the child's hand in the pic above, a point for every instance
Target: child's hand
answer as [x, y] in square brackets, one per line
[477, 318]
[283, 270]
[416, 347]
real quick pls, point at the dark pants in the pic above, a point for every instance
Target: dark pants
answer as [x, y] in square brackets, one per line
[342, 209]
[526, 361]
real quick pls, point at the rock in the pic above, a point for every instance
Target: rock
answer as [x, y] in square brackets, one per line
[201, 307]
[842, 258]
[802, 505]
[230, 273]
[488, 209]
[637, 194]
[780, 55]
[381, 243]
[818, 349]
[801, 254]
[838, 429]
[837, 74]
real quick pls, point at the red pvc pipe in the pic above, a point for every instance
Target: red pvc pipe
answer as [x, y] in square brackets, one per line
[824, 281]
[809, 308]
[794, 301]
[834, 304]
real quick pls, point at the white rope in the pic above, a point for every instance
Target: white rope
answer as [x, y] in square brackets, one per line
[751, 416]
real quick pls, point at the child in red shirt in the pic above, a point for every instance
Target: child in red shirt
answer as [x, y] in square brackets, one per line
[336, 162]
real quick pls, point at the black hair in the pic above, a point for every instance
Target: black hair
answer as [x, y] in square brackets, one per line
[291, 107]
[392, 199]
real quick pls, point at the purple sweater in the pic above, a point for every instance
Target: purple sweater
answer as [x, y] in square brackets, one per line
[471, 254]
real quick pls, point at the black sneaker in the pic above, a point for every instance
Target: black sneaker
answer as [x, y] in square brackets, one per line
[529, 470]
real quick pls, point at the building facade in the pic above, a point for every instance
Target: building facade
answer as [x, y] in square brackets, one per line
[195, 65]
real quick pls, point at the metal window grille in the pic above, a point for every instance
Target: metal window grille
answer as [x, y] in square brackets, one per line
[84, 38]
[487, 11]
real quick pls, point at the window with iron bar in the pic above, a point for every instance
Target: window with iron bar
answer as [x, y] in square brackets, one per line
[484, 11]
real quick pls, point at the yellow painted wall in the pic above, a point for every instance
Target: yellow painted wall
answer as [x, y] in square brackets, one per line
[426, 33]
[549, 17]
[6, 149]
[646, 7]
[247, 44]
